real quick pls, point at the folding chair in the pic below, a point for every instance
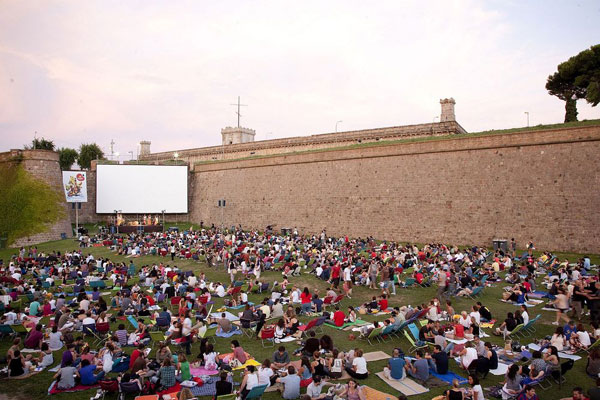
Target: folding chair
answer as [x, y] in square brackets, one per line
[126, 388]
[414, 346]
[327, 302]
[18, 329]
[514, 332]
[530, 325]
[305, 328]
[265, 334]
[373, 335]
[337, 299]
[387, 331]
[232, 396]
[476, 292]
[109, 386]
[256, 392]
[246, 327]
[156, 337]
[210, 334]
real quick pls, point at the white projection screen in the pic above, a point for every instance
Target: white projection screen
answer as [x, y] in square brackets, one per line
[138, 189]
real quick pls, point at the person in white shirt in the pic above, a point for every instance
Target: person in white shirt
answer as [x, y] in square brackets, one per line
[265, 373]
[524, 314]
[220, 291]
[467, 356]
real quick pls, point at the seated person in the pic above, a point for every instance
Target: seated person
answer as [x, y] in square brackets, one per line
[281, 358]
[395, 367]
[418, 369]
[291, 384]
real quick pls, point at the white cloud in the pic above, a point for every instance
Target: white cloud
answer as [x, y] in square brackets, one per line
[167, 72]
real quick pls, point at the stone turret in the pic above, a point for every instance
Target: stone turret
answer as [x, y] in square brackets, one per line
[145, 147]
[237, 135]
[447, 110]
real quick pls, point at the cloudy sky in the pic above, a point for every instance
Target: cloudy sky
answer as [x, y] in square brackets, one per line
[167, 71]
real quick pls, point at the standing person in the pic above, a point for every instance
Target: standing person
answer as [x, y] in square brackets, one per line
[347, 273]
[173, 251]
[391, 278]
[441, 281]
[373, 276]
[513, 247]
[561, 303]
[186, 332]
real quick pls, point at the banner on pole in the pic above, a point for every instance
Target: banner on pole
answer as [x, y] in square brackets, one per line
[75, 185]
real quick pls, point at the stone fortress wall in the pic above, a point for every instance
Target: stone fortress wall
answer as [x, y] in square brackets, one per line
[42, 164]
[539, 185]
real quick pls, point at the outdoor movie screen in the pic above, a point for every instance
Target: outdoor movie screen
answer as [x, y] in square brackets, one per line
[139, 189]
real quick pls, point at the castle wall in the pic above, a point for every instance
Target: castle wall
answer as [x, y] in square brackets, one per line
[42, 164]
[304, 143]
[536, 185]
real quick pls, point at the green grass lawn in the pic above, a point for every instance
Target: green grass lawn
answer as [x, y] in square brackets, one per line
[36, 386]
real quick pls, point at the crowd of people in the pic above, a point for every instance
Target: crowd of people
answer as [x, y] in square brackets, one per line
[55, 286]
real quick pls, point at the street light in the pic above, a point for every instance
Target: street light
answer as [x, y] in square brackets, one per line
[131, 152]
[163, 215]
[527, 112]
[176, 156]
[336, 125]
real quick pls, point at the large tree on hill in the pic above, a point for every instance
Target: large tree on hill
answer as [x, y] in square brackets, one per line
[577, 78]
[66, 157]
[89, 152]
[40, 144]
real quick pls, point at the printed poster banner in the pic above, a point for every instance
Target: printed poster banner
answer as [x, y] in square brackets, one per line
[75, 185]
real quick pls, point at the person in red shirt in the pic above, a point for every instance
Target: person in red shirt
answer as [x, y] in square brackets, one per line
[338, 317]
[306, 299]
[335, 275]
[383, 303]
[135, 354]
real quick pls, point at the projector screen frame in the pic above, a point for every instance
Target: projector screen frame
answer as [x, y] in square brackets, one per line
[130, 212]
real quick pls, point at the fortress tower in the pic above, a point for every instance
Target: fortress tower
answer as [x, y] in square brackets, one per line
[237, 135]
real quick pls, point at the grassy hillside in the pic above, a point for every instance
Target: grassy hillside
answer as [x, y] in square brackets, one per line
[27, 205]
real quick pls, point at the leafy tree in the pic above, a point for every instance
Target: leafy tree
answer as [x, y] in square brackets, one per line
[40, 144]
[89, 152]
[66, 157]
[577, 78]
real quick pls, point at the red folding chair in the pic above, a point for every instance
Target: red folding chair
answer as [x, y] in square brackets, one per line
[305, 328]
[267, 333]
[327, 301]
[338, 299]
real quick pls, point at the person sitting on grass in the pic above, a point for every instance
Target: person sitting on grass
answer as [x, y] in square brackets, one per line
[418, 369]
[395, 367]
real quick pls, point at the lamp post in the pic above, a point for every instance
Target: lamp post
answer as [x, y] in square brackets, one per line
[131, 152]
[176, 157]
[527, 112]
[336, 125]
[163, 219]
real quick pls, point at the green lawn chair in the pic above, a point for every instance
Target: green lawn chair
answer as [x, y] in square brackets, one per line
[414, 346]
[156, 337]
[374, 335]
[514, 332]
[18, 329]
[232, 396]
[210, 334]
[256, 392]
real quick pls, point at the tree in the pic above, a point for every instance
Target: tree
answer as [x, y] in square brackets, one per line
[40, 144]
[577, 78]
[66, 157]
[89, 152]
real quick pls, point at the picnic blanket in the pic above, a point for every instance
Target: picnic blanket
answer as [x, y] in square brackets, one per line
[373, 394]
[406, 386]
[488, 324]
[376, 356]
[449, 377]
[228, 316]
[230, 333]
[209, 389]
[175, 388]
[203, 371]
[501, 370]
[358, 322]
[573, 357]
[528, 303]
[240, 306]
[25, 375]
[538, 294]
[53, 389]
